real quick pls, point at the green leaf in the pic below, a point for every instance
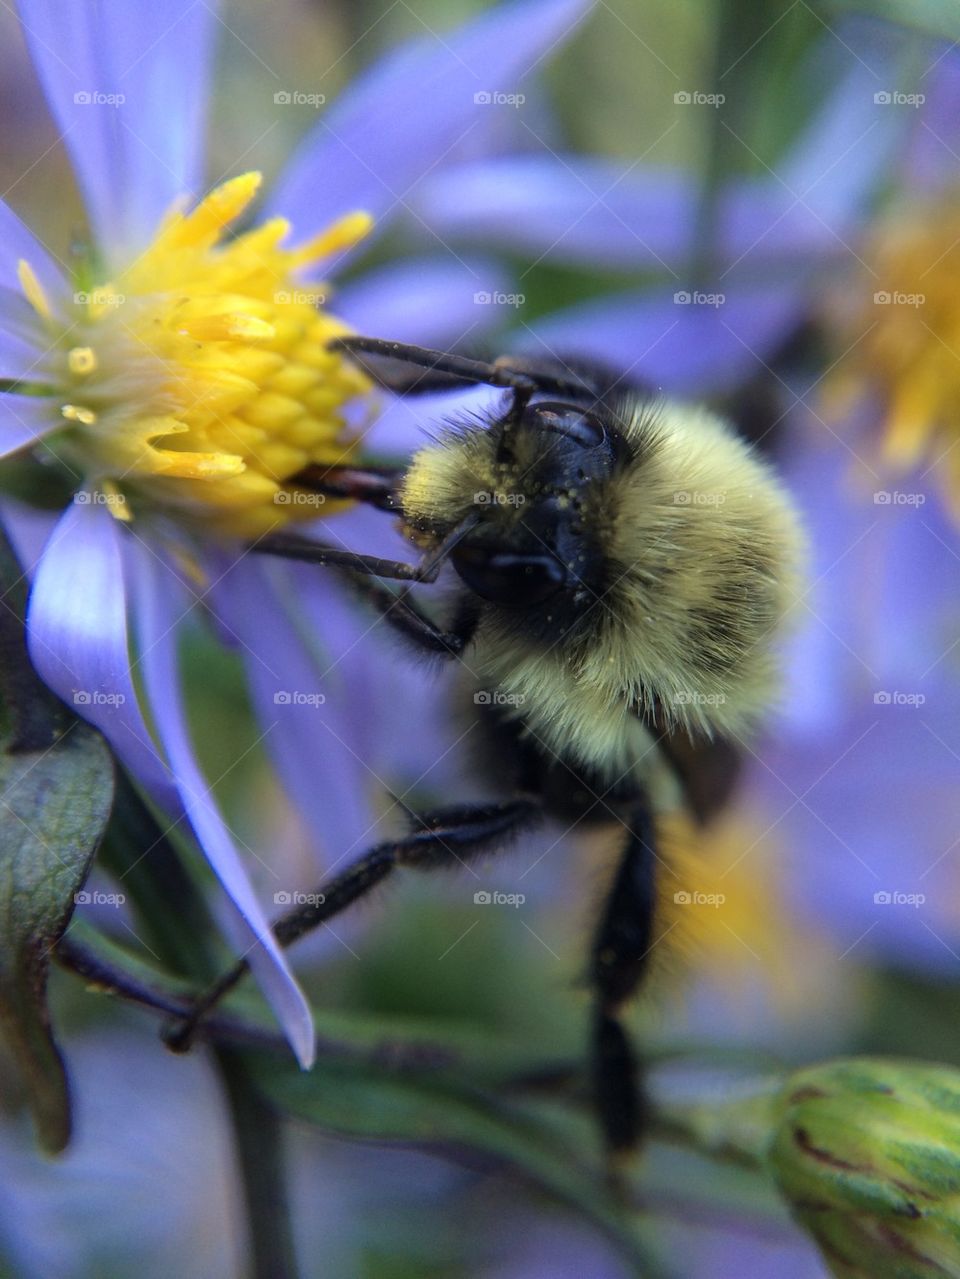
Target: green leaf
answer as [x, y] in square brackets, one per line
[554, 1148]
[56, 789]
[938, 18]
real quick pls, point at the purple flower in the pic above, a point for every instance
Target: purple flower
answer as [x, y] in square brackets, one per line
[180, 380]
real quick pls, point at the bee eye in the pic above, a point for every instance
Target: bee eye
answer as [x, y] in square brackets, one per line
[512, 581]
[579, 425]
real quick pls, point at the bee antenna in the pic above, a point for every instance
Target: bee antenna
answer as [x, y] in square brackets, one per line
[430, 565]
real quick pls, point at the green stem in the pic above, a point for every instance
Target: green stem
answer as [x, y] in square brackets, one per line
[258, 1134]
[181, 931]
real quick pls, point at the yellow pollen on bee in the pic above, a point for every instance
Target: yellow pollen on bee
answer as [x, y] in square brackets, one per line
[204, 367]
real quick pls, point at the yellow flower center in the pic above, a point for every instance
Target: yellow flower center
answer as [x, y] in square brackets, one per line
[904, 341]
[199, 380]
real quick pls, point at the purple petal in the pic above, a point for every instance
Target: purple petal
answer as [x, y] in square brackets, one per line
[24, 346]
[870, 809]
[596, 211]
[163, 603]
[684, 347]
[931, 159]
[569, 207]
[434, 302]
[297, 687]
[409, 422]
[24, 419]
[846, 151]
[127, 84]
[29, 530]
[78, 637]
[16, 243]
[415, 107]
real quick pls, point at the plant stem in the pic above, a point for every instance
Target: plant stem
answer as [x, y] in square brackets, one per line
[258, 1134]
[172, 908]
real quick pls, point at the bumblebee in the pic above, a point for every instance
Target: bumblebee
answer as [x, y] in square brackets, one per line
[625, 567]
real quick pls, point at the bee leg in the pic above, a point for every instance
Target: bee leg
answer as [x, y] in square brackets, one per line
[621, 946]
[292, 547]
[402, 612]
[375, 486]
[448, 837]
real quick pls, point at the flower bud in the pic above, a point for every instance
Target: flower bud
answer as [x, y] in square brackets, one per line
[867, 1153]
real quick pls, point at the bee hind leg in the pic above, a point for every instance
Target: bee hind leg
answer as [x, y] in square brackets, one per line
[621, 948]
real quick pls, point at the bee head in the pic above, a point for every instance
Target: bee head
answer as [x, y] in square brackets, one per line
[527, 483]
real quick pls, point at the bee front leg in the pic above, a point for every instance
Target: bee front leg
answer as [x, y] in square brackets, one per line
[621, 948]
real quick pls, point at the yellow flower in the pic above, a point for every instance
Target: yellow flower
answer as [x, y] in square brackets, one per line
[198, 381]
[903, 340]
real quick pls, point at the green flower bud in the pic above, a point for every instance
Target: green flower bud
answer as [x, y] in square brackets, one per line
[867, 1153]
